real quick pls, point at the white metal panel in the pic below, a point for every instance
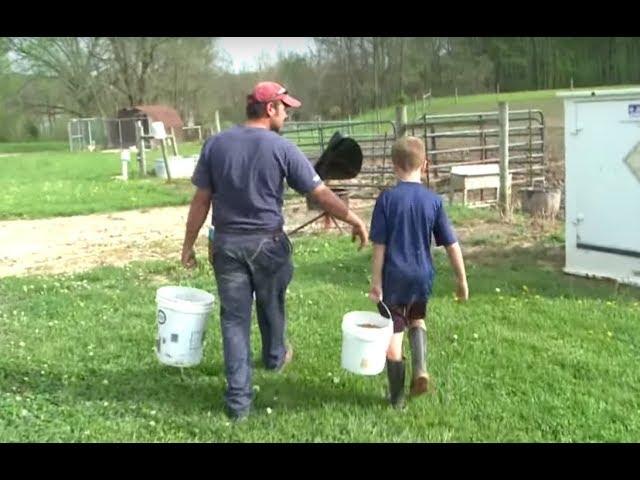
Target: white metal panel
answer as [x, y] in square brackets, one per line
[607, 192]
[602, 192]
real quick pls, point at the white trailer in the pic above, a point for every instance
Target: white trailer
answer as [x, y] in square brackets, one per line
[602, 184]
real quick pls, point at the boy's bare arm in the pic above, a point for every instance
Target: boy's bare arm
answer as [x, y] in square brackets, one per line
[457, 263]
[375, 294]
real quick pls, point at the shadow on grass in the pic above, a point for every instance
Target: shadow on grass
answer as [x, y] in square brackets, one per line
[539, 268]
[191, 391]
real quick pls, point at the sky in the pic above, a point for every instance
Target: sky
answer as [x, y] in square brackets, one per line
[245, 51]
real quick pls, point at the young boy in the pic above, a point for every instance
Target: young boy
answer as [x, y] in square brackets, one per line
[404, 219]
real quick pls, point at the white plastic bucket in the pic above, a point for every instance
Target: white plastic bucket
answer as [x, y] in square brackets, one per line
[182, 314]
[179, 167]
[364, 349]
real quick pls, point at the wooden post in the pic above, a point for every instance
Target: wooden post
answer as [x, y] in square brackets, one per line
[217, 121]
[164, 156]
[571, 86]
[174, 145]
[530, 158]
[505, 187]
[142, 163]
[401, 120]
[70, 136]
[120, 132]
[90, 139]
[456, 95]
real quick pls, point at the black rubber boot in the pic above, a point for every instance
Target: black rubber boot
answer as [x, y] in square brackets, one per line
[420, 378]
[395, 373]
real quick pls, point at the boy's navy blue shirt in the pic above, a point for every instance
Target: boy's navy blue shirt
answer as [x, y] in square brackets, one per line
[244, 168]
[404, 219]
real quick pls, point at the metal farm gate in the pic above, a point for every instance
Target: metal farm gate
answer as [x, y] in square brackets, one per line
[451, 140]
[102, 133]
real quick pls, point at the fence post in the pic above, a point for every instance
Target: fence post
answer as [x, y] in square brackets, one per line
[90, 139]
[505, 187]
[120, 133]
[217, 121]
[530, 158]
[70, 137]
[401, 120]
[142, 163]
[174, 146]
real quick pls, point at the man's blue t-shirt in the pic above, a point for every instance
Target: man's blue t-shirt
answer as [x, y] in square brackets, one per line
[245, 167]
[404, 218]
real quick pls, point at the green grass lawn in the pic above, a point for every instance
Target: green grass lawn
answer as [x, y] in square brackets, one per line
[25, 147]
[545, 100]
[57, 183]
[535, 355]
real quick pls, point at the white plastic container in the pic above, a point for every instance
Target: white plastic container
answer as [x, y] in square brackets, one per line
[182, 314]
[364, 349]
[180, 167]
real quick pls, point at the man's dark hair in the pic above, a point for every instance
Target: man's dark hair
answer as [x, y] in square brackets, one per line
[258, 109]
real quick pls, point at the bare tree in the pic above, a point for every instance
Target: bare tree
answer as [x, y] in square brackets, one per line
[72, 61]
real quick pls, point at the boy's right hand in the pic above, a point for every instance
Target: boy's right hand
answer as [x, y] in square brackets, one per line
[462, 291]
[375, 294]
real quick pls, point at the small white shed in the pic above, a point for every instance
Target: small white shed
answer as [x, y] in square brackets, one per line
[602, 183]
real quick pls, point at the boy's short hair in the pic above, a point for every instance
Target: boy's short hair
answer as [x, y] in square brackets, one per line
[408, 153]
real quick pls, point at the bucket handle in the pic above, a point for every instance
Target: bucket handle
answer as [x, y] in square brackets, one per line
[386, 308]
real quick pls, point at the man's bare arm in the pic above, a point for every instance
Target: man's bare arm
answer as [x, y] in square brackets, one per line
[198, 210]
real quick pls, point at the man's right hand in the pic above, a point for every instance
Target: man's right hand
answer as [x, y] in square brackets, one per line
[189, 258]
[360, 230]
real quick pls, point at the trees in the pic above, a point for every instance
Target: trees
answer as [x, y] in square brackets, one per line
[341, 76]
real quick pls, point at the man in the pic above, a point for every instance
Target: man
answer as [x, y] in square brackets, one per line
[241, 173]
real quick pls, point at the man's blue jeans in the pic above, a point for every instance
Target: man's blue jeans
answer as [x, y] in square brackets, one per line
[244, 264]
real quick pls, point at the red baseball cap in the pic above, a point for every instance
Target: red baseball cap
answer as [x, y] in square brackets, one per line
[269, 91]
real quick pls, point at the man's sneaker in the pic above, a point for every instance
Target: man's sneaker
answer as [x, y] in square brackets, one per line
[419, 384]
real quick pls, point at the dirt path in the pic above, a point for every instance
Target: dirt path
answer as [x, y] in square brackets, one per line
[78, 243]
